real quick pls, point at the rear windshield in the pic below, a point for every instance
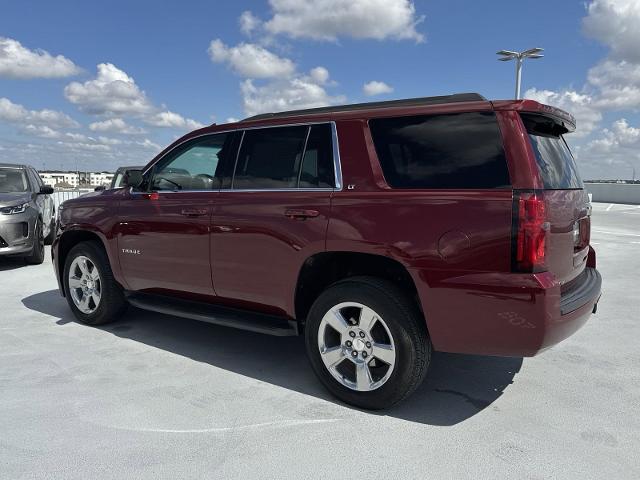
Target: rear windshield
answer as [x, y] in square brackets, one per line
[557, 166]
[462, 150]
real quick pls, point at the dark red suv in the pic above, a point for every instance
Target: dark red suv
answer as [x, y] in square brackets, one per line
[381, 230]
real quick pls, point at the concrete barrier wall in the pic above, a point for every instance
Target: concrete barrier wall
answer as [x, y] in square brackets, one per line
[614, 192]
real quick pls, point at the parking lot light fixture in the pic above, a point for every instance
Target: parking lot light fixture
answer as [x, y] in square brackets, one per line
[519, 57]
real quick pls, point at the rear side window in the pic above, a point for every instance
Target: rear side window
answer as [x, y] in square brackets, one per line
[461, 150]
[556, 164]
[270, 158]
[285, 157]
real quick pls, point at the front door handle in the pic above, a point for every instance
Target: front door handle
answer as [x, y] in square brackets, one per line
[194, 212]
[301, 214]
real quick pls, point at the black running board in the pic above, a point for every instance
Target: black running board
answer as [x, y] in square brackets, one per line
[219, 315]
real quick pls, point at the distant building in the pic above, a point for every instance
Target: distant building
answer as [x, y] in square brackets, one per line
[76, 179]
[60, 178]
[100, 178]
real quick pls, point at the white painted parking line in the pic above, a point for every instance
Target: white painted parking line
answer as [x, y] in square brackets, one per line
[610, 207]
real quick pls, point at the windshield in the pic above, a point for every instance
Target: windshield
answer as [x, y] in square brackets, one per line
[13, 180]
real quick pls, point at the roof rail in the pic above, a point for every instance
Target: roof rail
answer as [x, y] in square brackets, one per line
[409, 102]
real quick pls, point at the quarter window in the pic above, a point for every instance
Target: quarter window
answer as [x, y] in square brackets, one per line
[441, 151]
[317, 164]
[557, 166]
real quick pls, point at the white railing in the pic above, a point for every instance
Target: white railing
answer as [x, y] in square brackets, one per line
[62, 195]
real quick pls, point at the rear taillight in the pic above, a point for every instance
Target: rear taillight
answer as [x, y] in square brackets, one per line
[530, 228]
[582, 234]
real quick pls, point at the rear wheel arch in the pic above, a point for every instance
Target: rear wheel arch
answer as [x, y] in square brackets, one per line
[322, 270]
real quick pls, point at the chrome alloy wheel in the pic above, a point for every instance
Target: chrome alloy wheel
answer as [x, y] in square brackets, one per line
[356, 346]
[85, 285]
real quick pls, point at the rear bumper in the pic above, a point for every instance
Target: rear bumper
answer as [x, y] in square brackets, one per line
[588, 288]
[504, 314]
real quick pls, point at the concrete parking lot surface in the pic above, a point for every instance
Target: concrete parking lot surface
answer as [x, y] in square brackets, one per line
[154, 396]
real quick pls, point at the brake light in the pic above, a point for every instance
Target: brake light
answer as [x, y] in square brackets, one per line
[530, 232]
[582, 237]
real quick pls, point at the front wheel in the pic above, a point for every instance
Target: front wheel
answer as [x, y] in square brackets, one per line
[367, 342]
[36, 257]
[91, 290]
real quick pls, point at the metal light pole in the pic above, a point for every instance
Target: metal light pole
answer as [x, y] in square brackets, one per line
[519, 58]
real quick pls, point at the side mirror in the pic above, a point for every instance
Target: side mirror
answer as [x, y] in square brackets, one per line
[46, 190]
[132, 178]
[99, 188]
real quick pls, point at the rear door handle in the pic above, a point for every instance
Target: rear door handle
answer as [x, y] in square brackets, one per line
[194, 212]
[301, 214]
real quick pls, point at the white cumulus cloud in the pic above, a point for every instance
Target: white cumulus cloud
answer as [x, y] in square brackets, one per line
[112, 92]
[250, 60]
[115, 125]
[17, 61]
[302, 91]
[248, 22]
[617, 83]
[169, 119]
[580, 105]
[614, 153]
[615, 23]
[375, 87]
[331, 19]
[17, 114]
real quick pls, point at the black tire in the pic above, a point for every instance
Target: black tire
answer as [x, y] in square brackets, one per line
[112, 302]
[52, 231]
[36, 257]
[406, 325]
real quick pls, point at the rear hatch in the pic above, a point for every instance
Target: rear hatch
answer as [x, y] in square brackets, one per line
[565, 215]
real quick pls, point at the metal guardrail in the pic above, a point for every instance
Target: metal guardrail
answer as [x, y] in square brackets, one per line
[60, 196]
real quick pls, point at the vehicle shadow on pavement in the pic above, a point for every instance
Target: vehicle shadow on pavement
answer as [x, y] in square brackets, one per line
[11, 263]
[457, 386]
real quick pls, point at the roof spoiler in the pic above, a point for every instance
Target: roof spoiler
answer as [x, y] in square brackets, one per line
[563, 119]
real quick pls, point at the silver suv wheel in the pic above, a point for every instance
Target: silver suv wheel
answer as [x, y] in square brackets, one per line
[356, 346]
[85, 284]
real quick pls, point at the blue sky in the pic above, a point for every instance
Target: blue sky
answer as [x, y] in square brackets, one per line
[160, 53]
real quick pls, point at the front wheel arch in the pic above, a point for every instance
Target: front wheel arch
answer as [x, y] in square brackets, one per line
[71, 238]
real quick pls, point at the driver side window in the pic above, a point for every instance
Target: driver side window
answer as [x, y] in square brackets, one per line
[195, 165]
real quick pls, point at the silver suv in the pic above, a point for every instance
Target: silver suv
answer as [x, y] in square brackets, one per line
[27, 213]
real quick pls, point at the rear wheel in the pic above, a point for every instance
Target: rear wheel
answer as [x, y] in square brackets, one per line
[91, 290]
[36, 257]
[367, 342]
